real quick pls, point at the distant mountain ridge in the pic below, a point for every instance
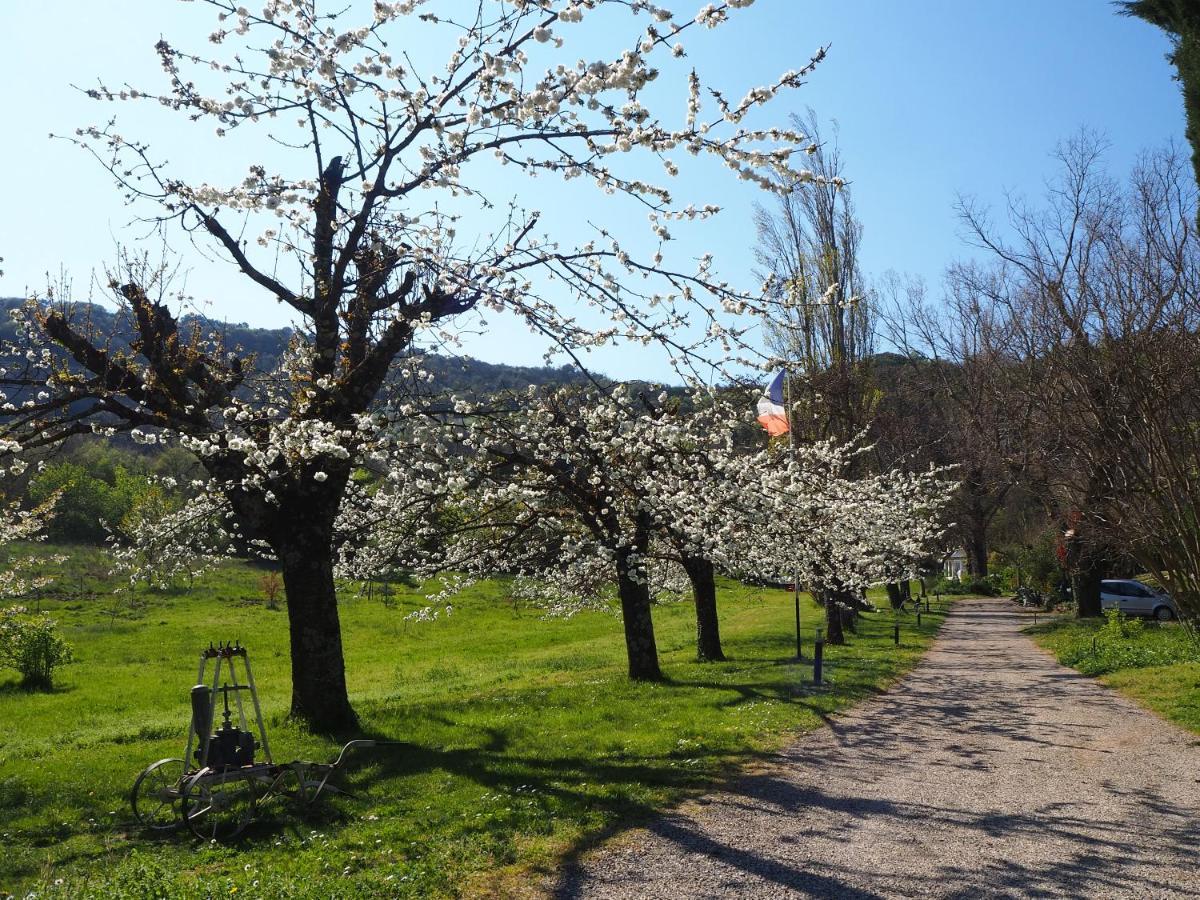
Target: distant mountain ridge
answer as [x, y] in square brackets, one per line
[463, 374]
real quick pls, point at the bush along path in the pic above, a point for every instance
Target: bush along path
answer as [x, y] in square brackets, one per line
[989, 771]
[1158, 664]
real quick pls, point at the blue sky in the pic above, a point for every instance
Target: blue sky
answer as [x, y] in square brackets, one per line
[933, 98]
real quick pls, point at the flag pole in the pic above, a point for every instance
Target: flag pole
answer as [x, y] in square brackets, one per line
[787, 395]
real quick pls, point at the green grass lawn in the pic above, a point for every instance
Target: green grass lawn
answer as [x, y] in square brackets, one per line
[523, 741]
[1157, 665]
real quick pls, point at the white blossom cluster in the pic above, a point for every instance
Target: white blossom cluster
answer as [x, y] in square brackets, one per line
[572, 492]
[21, 575]
[403, 142]
[395, 242]
[164, 542]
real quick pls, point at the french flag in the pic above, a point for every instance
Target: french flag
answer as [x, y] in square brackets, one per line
[771, 413]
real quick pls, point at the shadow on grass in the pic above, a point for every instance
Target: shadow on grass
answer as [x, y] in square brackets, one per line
[16, 688]
[606, 793]
[563, 784]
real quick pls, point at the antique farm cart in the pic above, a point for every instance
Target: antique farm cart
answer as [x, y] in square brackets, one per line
[218, 786]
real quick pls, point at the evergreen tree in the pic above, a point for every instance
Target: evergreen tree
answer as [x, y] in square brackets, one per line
[1180, 19]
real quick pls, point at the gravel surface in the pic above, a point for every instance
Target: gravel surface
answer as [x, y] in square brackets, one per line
[990, 771]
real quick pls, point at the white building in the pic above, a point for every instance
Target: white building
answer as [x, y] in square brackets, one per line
[954, 564]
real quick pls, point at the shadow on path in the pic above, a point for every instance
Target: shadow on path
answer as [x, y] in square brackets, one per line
[989, 771]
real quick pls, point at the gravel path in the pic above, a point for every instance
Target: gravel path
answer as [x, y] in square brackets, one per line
[990, 771]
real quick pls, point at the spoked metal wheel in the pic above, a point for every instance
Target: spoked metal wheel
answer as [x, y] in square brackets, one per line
[156, 795]
[217, 806]
[283, 785]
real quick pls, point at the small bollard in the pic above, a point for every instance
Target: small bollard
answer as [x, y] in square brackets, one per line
[796, 594]
[918, 617]
[818, 656]
[896, 633]
[926, 604]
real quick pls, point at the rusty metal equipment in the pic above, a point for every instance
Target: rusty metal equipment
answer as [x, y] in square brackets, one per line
[218, 786]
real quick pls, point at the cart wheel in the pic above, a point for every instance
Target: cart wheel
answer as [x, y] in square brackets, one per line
[155, 795]
[217, 806]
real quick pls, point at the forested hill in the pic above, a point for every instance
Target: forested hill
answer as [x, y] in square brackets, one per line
[455, 373]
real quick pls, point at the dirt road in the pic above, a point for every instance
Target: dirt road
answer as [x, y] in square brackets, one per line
[990, 771]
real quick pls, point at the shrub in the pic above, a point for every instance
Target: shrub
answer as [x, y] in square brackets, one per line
[271, 585]
[1118, 626]
[1032, 565]
[1007, 577]
[31, 645]
[1125, 643]
[983, 586]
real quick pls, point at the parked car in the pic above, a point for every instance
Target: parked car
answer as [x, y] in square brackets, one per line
[1136, 599]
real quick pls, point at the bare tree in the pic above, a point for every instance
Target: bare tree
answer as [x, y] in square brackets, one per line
[823, 326]
[1095, 296]
[978, 403]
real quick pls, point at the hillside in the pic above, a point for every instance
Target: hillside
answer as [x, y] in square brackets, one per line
[463, 374]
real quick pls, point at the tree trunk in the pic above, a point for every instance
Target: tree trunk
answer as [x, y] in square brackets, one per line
[704, 592]
[1085, 586]
[895, 594]
[1086, 560]
[319, 695]
[977, 550]
[635, 613]
[833, 617]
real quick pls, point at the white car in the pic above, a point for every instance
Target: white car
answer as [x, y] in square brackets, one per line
[1136, 599]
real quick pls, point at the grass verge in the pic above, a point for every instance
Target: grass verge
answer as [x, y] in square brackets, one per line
[1156, 664]
[523, 741]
